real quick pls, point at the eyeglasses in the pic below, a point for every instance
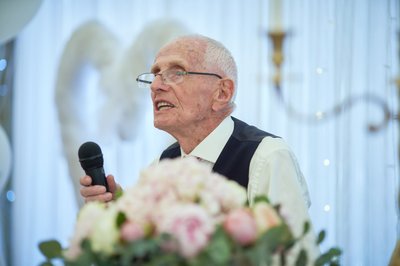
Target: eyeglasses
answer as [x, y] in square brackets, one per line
[169, 76]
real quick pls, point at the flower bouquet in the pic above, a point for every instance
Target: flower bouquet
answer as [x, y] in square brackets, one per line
[181, 213]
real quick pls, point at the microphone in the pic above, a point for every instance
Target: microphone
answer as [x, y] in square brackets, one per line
[92, 161]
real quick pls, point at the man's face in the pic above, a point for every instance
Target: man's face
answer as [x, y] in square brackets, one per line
[183, 107]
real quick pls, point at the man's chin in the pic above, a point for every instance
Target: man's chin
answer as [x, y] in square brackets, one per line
[161, 125]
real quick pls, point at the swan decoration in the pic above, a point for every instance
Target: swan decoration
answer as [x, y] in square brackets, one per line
[97, 96]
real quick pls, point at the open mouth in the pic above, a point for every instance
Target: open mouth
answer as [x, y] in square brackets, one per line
[162, 105]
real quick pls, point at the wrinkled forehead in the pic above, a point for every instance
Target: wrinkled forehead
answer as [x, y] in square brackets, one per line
[186, 54]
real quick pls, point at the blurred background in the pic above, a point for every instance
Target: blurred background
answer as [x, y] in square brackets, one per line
[67, 71]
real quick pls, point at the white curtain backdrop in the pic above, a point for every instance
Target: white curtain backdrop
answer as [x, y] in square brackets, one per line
[336, 49]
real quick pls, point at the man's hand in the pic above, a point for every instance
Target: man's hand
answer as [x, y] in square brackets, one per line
[98, 193]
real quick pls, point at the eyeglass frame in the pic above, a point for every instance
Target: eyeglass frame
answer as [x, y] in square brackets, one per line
[182, 73]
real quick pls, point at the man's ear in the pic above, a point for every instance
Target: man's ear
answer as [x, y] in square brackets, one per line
[224, 94]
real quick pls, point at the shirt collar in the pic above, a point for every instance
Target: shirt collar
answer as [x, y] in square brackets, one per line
[211, 147]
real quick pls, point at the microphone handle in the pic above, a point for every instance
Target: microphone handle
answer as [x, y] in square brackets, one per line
[98, 177]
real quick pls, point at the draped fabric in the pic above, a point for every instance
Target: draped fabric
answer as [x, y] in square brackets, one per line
[335, 50]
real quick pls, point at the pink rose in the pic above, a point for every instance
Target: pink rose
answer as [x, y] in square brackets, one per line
[241, 226]
[131, 231]
[265, 216]
[189, 225]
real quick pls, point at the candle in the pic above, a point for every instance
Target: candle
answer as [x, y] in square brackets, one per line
[275, 15]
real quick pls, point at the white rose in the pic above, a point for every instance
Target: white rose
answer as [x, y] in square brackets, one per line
[87, 217]
[105, 233]
[229, 193]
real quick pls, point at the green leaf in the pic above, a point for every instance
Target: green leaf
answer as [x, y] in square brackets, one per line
[218, 249]
[86, 258]
[335, 251]
[306, 227]
[278, 236]
[329, 257]
[51, 249]
[121, 218]
[138, 250]
[261, 198]
[321, 237]
[118, 193]
[259, 252]
[277, 208]
[165, 259]
[302, 258]
[46, 263]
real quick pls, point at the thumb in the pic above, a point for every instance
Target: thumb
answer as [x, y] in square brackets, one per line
[112, 185]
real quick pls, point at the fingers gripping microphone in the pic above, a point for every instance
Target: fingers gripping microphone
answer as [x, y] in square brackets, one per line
[91, 160]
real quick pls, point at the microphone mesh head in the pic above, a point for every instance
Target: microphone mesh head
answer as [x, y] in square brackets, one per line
[90, 155]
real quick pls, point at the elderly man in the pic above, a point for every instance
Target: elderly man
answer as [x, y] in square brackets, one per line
[193, 85]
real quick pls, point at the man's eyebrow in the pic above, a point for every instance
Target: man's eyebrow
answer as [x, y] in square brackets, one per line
[155, 69]
[172, 64]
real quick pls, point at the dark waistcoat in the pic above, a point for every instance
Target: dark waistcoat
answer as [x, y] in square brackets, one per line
[234, 160]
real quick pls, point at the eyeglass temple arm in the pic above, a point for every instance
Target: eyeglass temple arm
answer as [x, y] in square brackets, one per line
[203, 73]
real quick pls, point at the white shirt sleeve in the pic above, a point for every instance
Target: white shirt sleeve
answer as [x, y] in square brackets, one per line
[274, 172]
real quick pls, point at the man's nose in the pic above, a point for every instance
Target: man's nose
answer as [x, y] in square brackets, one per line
[158, 83]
